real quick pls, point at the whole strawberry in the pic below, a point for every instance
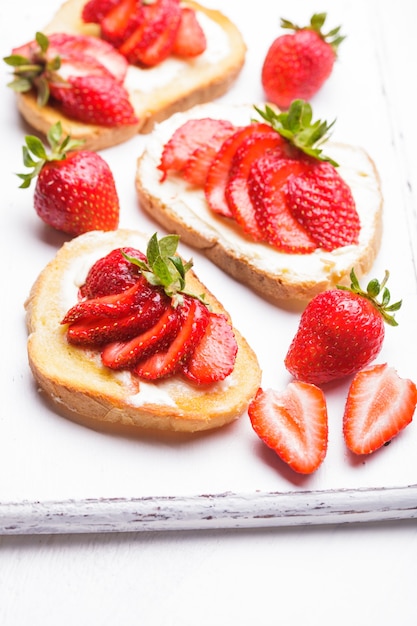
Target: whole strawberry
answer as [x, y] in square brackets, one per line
[340, 332]
[75, 190]
[298, 63]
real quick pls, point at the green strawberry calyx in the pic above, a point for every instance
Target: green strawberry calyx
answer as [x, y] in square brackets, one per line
[35, 72]
[373, 290]
[165, 268]
[332, 37]
[35, 155]
[297, 127]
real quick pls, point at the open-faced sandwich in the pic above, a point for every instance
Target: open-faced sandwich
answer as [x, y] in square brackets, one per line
[123, 334]
[111, 68]
[252, 188]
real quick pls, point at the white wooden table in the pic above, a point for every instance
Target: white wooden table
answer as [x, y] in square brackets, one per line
[62, 488]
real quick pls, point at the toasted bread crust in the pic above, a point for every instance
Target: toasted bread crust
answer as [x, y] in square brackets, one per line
[76, 381]
[192, 82]
[273, 275]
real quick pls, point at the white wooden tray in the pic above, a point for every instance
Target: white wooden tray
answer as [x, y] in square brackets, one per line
[59, 477]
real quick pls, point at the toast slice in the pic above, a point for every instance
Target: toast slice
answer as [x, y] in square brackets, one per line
[156, 93]
[82, 387]
[181, 208]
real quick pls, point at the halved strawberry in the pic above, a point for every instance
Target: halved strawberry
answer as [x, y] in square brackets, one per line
[322, 202]
[151, 42]
[194, 321]
[96, 331]
[190, 40]
[293, 423]
[267, 182]
[197, 166]
[214, 356]
[127, 354]
[112, 274]
[218, 174]
[193, 134]
[379, 405]
[237, 192]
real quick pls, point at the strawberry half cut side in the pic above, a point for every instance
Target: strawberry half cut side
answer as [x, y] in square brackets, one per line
[197, 166]
[293, 423]
[379, 405]
[214, 357]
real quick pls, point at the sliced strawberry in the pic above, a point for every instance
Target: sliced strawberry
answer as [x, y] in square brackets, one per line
[127, 354]
[112, 305]
[237, 191]
[293, 423]
[96, 99]
[112, 274]
[197, 166]
[190, 40]
[193, 134]
[151, 42]
[194, 321]
[267, 182]
[214, 357]
[96, 331]
[121, 21]
[95, 10]
[379, 405]
[218, 174]
[323, 203]
[90, 50]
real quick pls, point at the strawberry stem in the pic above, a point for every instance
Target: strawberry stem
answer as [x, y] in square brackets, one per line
[332, 37]
[33, 147]
[297, 127]
[164, 268]
[373, 290]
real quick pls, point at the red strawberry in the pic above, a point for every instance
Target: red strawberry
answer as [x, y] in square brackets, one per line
[128, 353]
[297, 64]
[190, 40]
[267, 183]
[214, 357]
[340, 332]
[198, 164]
[190, 136]
[379, 405]
[75, 190]
[237, 192]
[112, 274]
[120, 21]
[95, 10]
[293, 423]
[194, 321]
[77, 75]
[95, 99]
[152, 41]
[218, 174]
[323, 203]
[90, 50]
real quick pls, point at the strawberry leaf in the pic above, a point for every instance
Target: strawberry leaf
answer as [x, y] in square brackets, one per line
[297, 127]
[164, 268]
